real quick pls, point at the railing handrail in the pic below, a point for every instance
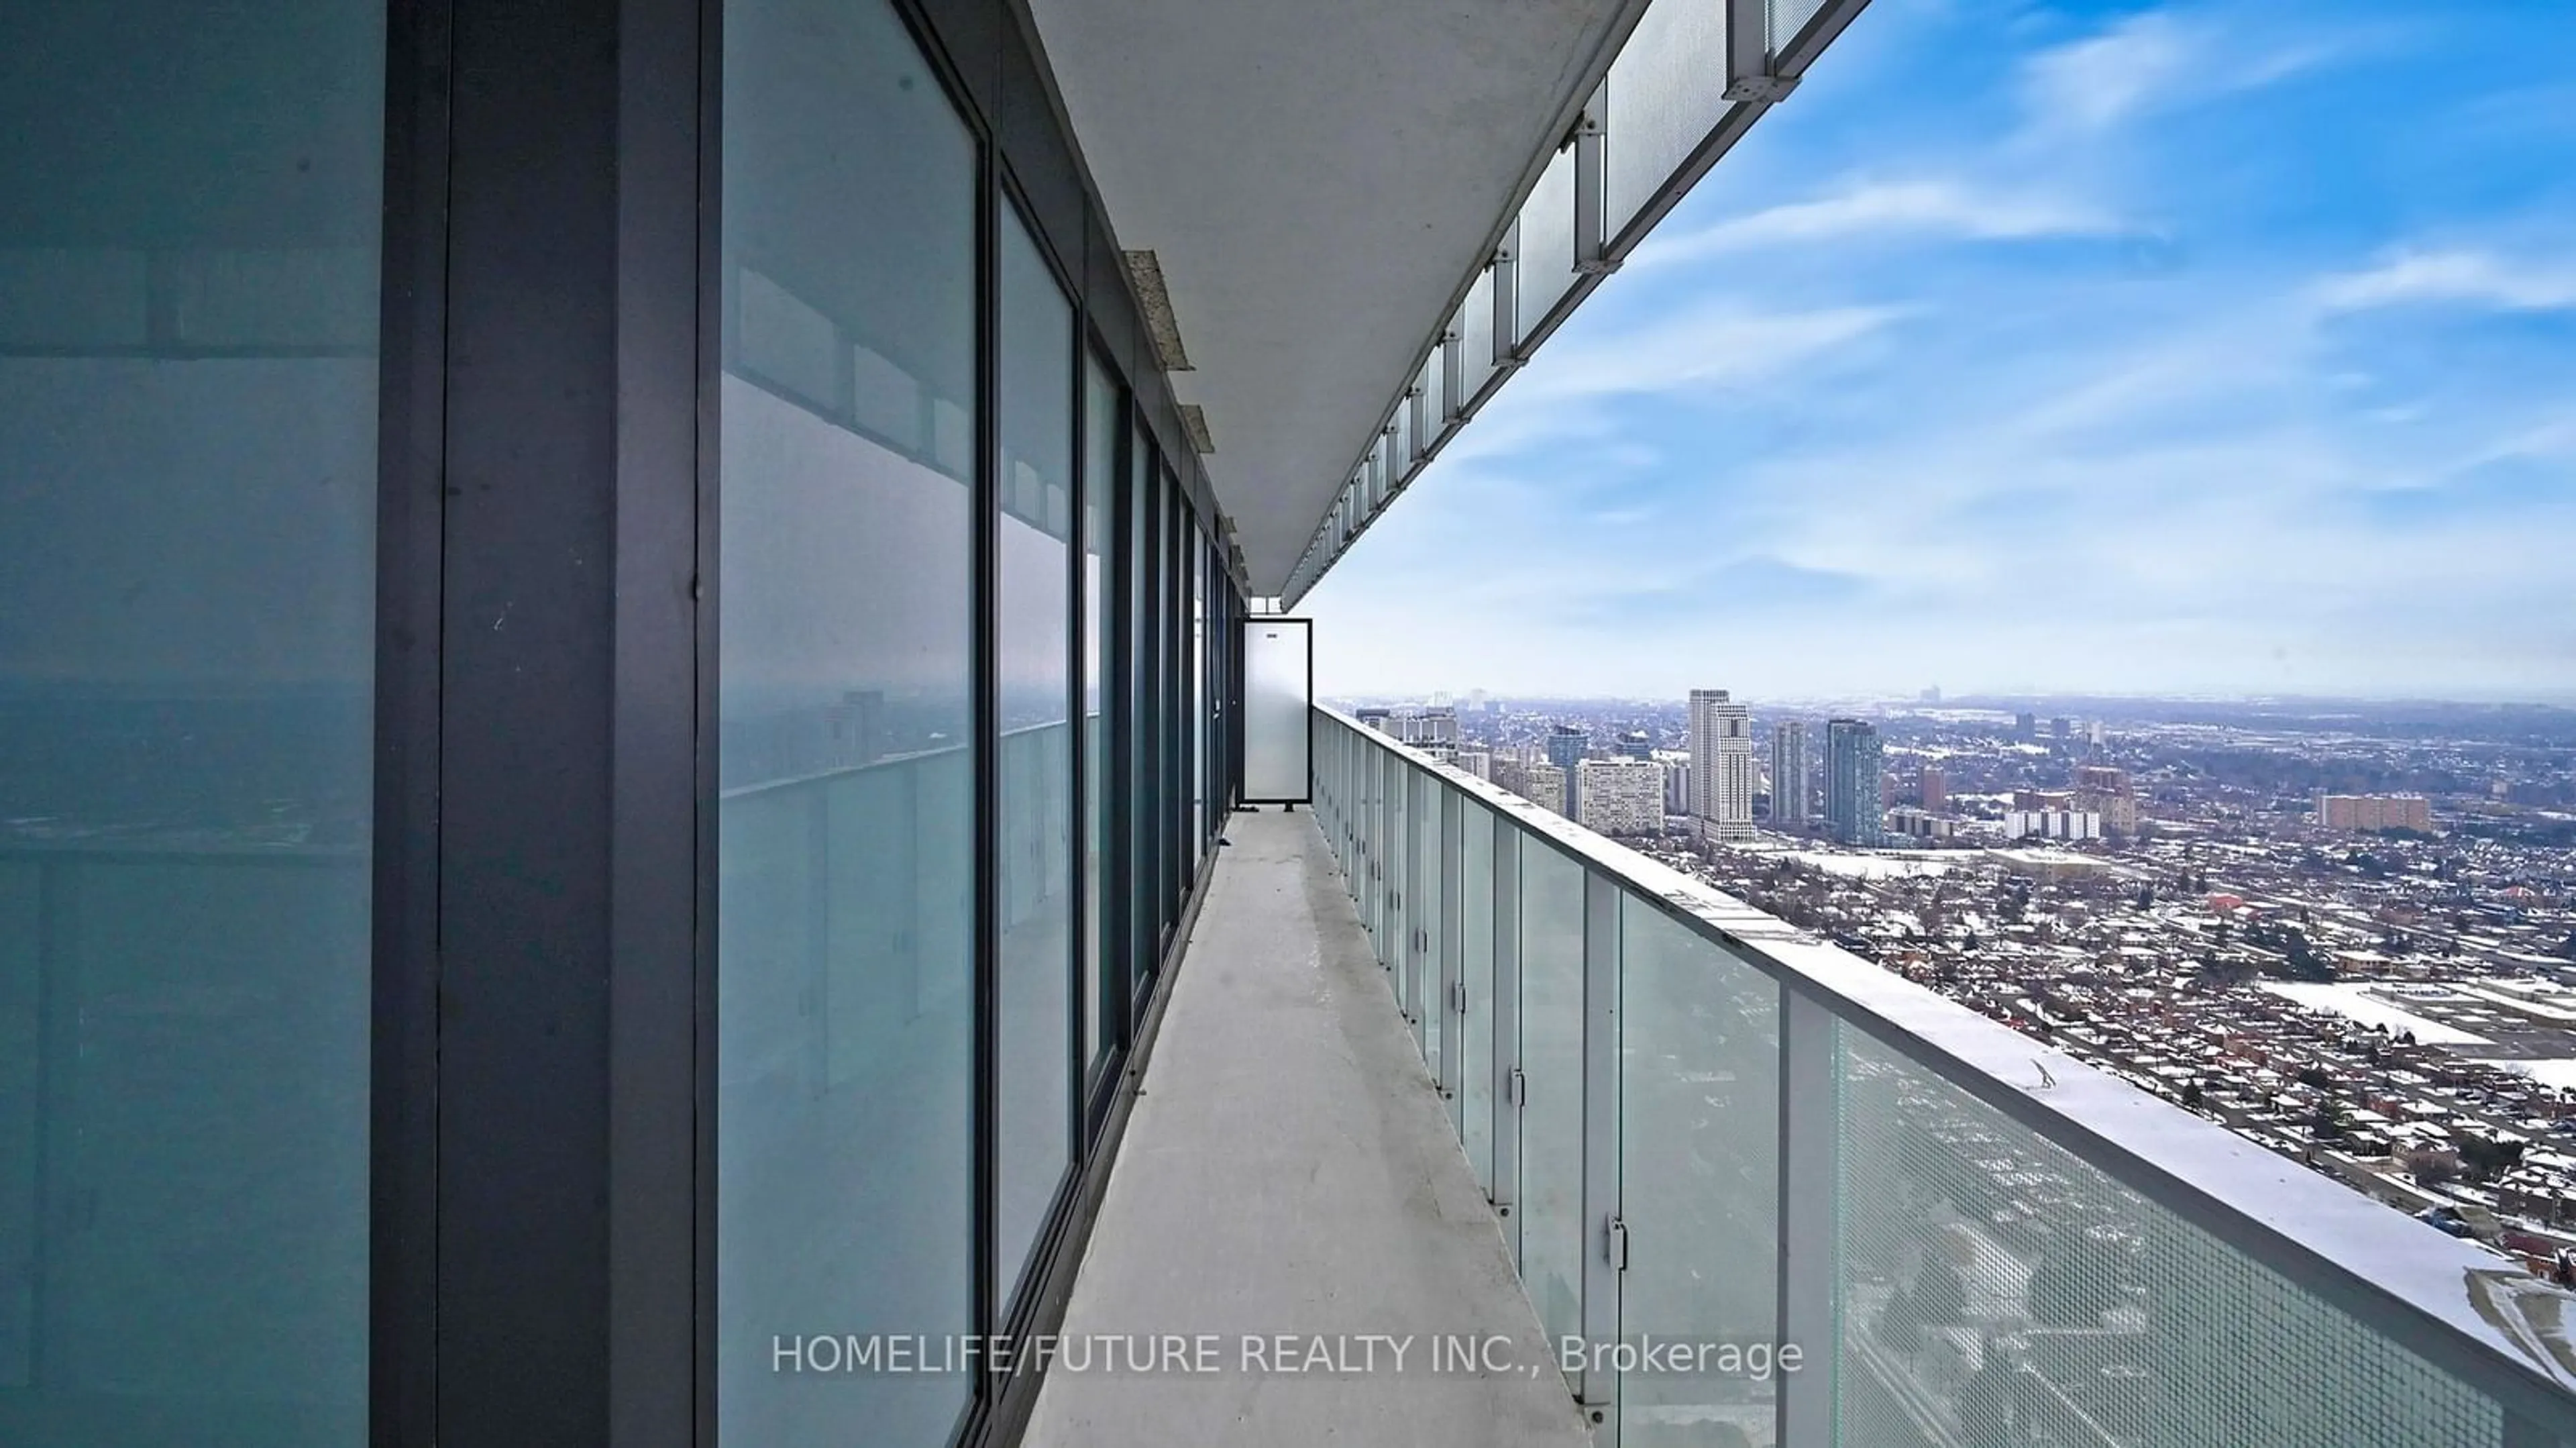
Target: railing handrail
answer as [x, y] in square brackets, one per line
[2461, 1308]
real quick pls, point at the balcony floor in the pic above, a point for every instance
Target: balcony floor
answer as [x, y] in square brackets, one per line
[1289, 1170]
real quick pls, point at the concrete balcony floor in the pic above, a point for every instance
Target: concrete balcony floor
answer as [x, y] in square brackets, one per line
[1289, 1173]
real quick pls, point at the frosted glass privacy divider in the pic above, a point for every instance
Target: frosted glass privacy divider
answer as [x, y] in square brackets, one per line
[1278, 692]
[1547, 243]
[1667, 92]
[2001, 1285]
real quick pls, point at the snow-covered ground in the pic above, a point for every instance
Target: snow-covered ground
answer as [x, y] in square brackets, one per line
[1879, 867]
[2355, 1003]
[2548, 1073]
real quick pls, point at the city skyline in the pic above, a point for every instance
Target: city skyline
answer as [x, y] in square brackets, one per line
[1824, 439]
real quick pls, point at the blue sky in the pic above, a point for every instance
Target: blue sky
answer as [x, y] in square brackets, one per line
[2205, 348]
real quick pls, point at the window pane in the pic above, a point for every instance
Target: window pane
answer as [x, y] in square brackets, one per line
[1033, 628]
[845, 963]
[1145, 920]
[1198, 695]
[1099, 493]
[189, 204]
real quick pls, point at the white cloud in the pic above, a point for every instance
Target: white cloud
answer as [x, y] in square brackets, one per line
[2095, 83]
[2164, 59]
[1937, 208]
[1716, 344]
[2475, 278]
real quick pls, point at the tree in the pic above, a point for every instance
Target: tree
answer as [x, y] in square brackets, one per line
[2327, 1123]
[2483, 1159]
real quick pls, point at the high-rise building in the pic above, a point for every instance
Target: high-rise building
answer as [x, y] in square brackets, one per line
[2106, 791]
[1677, 780]
[1637, 744]
[1544, 785]
[1721, 756]
[2374, 812]
[2052, 824]
[1935, 789]
[1621, 796]
[1437, 724]
[2025, 726]
[1535, 780]
[1567, 744]
[1793, 776]
[1854, 768]
[2062, 728]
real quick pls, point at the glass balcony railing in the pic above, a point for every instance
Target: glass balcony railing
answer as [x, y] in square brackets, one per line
[1762, 1192]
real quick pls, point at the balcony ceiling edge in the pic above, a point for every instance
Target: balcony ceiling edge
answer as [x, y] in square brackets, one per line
[1317, 181]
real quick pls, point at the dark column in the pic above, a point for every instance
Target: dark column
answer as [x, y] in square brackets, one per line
[562, 744]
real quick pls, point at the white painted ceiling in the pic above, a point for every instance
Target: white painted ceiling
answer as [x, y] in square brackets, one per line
[1320, 178]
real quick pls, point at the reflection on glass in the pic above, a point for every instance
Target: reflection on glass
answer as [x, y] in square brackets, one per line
[1395, 936]
[1142, 858]
[189, 251]
[1099, 493]
[845, 956]
[1174, 606]
[1995, 1288]
[1429, 1007]
[1033, 631]
[1199, 709]
[1699, 1156]
[1551, 1192]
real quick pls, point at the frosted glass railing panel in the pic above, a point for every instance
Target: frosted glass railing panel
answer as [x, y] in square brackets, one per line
[1667, 92]
[1996, 1288]
[1476, 974]
[1551, 1056]
[1547, 243]
[1959, 1277]
[1422, 968]
[1699, 1176]
[1394, 939]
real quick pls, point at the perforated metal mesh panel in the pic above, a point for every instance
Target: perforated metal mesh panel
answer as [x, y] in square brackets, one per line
[1998, 1292]
[1788, 17]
